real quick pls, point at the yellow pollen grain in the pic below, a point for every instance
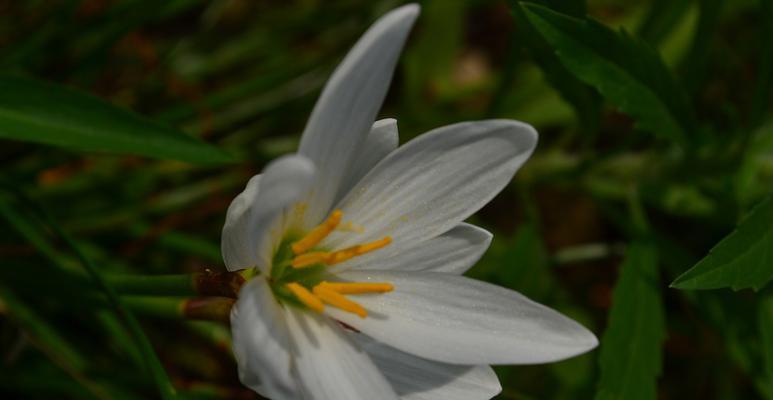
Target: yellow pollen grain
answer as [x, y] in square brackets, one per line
[306, 297]
[309, 259]
[338, 300]
[358, 287]
[358, 250]
[318, 233]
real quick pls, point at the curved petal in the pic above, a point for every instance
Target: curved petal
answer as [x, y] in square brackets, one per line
[382, 140]
[348, 106]
[253, 220]
[330, 366]
[458, 320]
[415, 378]
[453, 252]
[435, 181]
[261, 342]
[237, 241]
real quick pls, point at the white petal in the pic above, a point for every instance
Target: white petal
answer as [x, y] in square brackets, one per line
[435, 181]
[453, 252]
[330, 366]
[458, 320]
[261, 342]
[415, 378]
[348, 106]
[253, 221]
[237, 241]
[382, 140]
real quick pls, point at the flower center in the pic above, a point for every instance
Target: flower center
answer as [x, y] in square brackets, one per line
[304, 282]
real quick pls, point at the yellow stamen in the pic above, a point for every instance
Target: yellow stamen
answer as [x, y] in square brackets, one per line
[357, 287]
[322, 257]
[306, 297]
[317, 234]
[338, 300]
[358, 250]
[309, 259]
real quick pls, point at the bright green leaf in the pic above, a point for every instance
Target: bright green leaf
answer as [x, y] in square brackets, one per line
[625, 70]
[743, 259]
[40, 112]
[631, 346]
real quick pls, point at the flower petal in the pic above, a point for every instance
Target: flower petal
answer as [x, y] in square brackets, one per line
[382, 140]
[254, 216]
[435, 181]
[415, 378]
[261, 342]
[348, 106]
[453, 252]
[458, 320]
[329, 364]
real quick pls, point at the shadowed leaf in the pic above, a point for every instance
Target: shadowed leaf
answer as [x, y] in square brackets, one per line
[40, 112]
[741, 260]
[625, 70]
[631, 346]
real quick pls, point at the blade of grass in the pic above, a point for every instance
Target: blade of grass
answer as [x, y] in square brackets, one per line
[158, 374]
[46, 339]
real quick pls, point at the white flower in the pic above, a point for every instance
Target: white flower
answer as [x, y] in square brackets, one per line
[356, 250]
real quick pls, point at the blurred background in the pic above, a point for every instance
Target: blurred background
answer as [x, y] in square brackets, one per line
[243, 76]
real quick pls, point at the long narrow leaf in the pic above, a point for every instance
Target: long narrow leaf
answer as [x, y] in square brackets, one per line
[165, 387]
[631, 353]
[41, 112]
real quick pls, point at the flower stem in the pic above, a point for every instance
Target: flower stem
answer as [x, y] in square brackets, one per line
[206, 283]
[204, 308]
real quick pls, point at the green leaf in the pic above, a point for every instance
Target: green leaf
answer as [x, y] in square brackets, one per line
[695, 66]
[40, 112]
[766, 334]
[741, 260]
[662, 17]
[631, 356]
[625, 70]
[584, 100]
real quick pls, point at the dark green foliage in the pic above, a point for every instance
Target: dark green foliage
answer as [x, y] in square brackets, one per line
[766, 334]
[656, 139]
[631, 348]
[625, 70]
[585, 101]
[744, 259]
[44, 113]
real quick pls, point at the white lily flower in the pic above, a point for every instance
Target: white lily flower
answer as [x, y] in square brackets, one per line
[356, 249]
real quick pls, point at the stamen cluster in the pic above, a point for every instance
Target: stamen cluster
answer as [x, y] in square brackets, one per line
[308, 263]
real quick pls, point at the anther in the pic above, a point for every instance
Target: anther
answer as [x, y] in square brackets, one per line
[306, 297]
[357, 287]
[322, 257]
[309, 259]
[338, 300]
[318, 233]
[357, 250]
